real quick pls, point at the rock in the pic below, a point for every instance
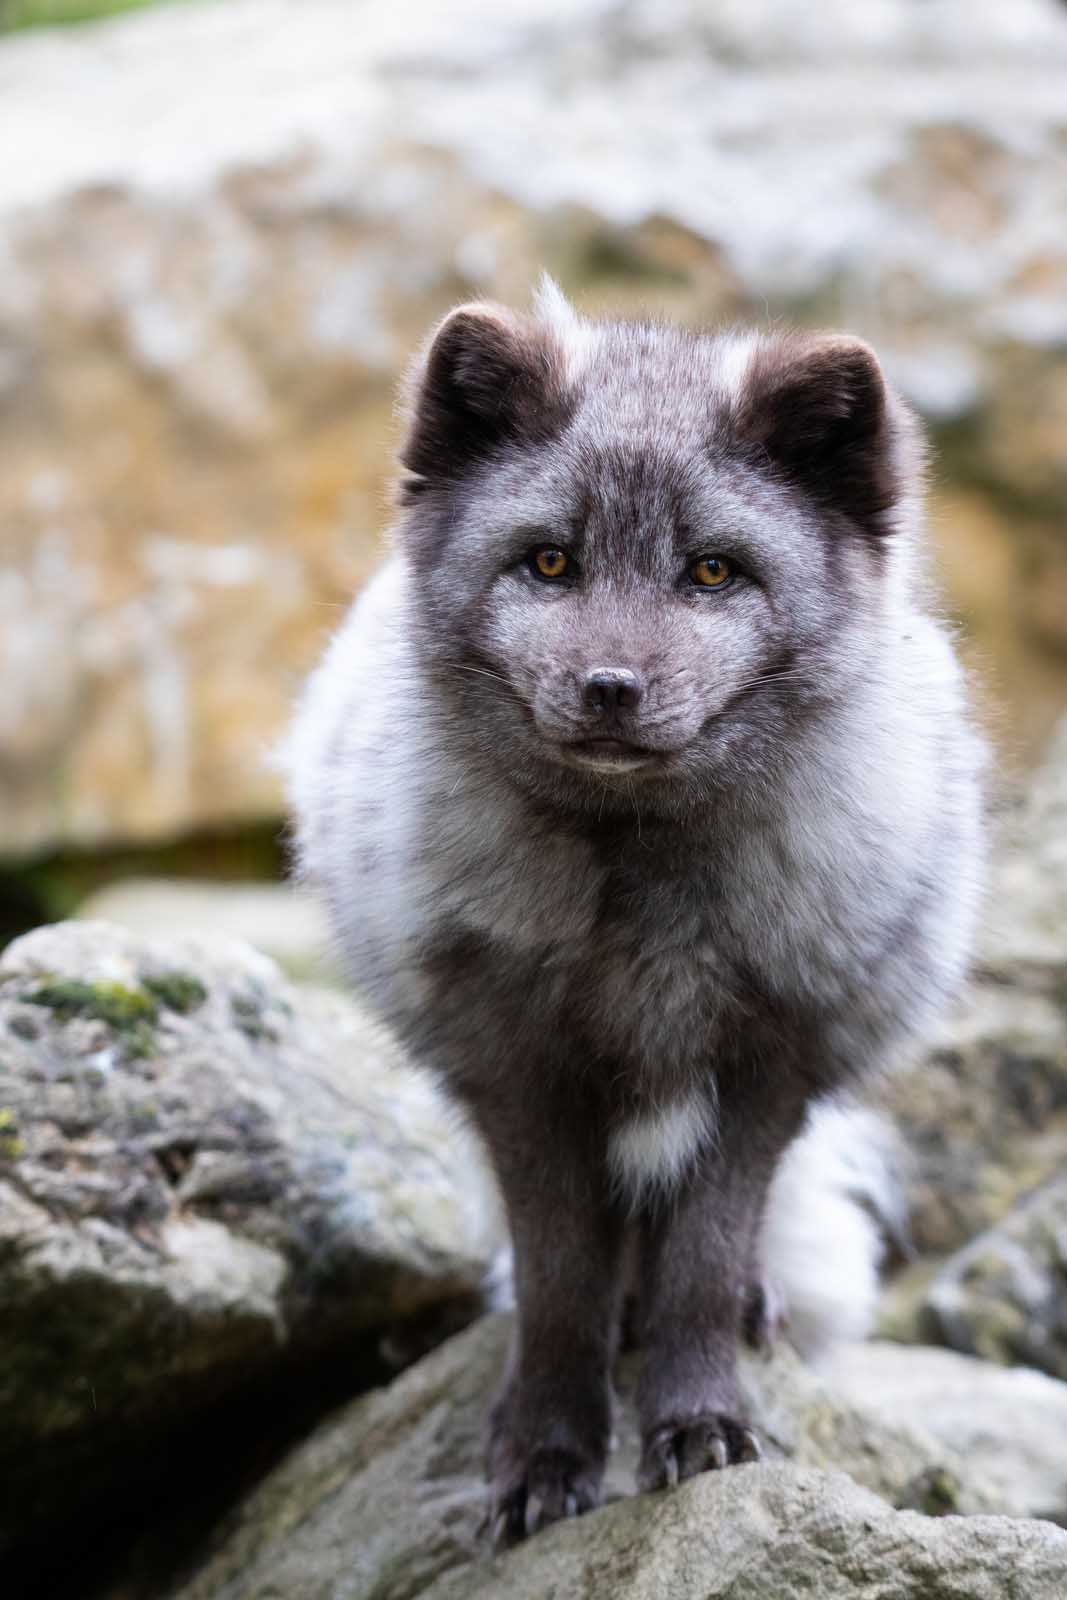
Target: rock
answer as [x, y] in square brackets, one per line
[385, 1499]
[204, 1175]
[204, 302]
[1025, 939]
[1004, 1295]
[984, 1110]
[1007, 1423]
[769, 1533]
[286, 923]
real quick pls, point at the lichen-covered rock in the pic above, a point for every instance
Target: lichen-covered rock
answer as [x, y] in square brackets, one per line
[203, 312]
[203, 1172]
[1004, 1295]
[386, 1499]
[1008, 1423]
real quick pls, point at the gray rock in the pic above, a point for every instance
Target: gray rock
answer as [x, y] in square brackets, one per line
[771, 1533]
[1004, 1296]
[287, 923]
[984, 1111]
[385, 1500]
[1026, 933]
[203, 1173]
[1008, 1423]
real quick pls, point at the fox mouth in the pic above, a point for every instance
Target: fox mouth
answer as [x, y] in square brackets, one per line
[616, 755]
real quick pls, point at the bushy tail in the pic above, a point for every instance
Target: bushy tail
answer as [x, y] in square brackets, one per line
[836, 1204]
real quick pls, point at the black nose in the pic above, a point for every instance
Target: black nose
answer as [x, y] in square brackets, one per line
[613, 689]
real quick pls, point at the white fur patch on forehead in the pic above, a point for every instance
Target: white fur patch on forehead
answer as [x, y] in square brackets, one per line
[577, 339]
[651, 1153]
[551, 306]
[733, 355]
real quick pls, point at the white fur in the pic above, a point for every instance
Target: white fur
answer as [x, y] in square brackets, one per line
[576, 337]
[652, 1152]
[734, 356]
[835, 1197]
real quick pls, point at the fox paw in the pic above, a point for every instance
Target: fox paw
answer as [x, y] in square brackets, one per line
[552, 1485]
[678, 1450]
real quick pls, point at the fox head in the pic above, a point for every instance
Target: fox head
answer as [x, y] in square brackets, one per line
[646, 558]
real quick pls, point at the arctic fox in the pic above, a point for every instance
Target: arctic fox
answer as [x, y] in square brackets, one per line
[642, 788]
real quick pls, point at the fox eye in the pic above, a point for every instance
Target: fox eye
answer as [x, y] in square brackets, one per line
[550, 562]
[712, 572]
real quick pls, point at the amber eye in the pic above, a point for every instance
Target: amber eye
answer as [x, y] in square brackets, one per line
[711, 572]
[549, 562]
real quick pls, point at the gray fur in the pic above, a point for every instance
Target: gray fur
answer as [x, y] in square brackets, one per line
[760, 906]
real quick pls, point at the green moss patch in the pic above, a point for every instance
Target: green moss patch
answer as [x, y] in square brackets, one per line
[10, 1143]
[132, 1010]
[118, 1004]
[935, 1493]
[129, 1009]
[178, 991]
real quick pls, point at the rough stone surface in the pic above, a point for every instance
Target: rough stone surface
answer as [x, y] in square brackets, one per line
[204, 300]
[984, 1110]
[1026, 934]
[203, 1172]
[385, 1499]
[1004, 1295]
[1009, 1424]
[284, 922]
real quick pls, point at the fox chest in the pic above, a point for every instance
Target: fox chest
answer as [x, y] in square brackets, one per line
[635, 972]
[651, 962]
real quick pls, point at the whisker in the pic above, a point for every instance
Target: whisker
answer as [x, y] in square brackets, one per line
[483, 672]
[792, 675]
[637, 808]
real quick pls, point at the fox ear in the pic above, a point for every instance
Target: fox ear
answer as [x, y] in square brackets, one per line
[817, 407]
[487, 378]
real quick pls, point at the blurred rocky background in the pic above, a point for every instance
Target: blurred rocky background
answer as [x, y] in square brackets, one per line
[225, 225]
[226, 1205]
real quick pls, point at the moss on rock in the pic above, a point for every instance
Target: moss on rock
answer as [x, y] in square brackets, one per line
[178, 991]
[127, 1008]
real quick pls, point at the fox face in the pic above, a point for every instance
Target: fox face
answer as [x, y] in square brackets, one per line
[644, 558]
